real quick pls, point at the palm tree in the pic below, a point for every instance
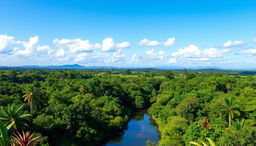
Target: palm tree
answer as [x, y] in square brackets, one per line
[13, 116]
[25, 139]
[31, 96]
[229, 108]
[204, 144]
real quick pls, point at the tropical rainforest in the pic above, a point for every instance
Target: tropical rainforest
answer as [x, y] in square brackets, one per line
[85, 107]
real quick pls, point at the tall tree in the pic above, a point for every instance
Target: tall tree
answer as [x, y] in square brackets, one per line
[29, 98]
[229, 108]
[31, 95]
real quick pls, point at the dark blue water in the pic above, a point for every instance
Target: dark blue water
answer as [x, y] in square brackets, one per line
[140, 129]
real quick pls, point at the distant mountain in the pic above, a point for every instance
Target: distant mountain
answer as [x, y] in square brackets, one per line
[72, 66]
[77, 66]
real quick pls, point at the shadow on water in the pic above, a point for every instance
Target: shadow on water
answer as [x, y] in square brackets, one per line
[140, 128]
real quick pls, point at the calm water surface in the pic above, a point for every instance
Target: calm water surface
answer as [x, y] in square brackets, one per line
[140, 129]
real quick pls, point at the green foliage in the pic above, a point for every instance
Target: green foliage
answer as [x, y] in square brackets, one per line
[13, 116]
[4, 138]
[150, 143]
[78, 107]
[172, 132]
[169, 74]
[198, 97]
[188, 108]
[229, 109]
[232, 136]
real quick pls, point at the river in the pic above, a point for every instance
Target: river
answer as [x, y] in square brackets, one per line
[140, 129]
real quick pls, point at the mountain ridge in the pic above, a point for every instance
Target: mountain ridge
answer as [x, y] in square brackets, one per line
[77, 66]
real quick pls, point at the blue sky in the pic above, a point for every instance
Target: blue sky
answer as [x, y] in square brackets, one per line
[128, 32]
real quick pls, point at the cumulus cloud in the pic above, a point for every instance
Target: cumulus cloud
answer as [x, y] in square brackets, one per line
[75, 45]
[190, 51]
[31, 43]
[43, 48]
[150, 43]
[193, 52]
[108, 52]
[81, 57]
[230, 43]
[254, 40]
[29, 46]
[123, 45]
[146, 42]
[117, 57]
[5, 42]
[60, 53]
[155, 56]
[169, 42]
[213, 52]
[108, 44]
[9, 45]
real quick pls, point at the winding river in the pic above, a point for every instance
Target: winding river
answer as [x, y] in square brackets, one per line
[140, 129]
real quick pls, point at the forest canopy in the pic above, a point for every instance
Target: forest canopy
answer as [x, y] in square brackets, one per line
[76, 107]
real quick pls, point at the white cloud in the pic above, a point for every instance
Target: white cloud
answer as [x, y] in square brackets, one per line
[150, 43]
[249, 52]
[123, 45]
[213, 52]
[60, 53]
[155, 56]
[190, 51]
[8, 44]
[193, 51]
[31, 43]
[146, 42]
[117, 57]
[81, 57]
[230, 43]
[172, 60]
[75, 45]
[43, 48]
[29, 46]
[169, 42]
[134, 58]
[254, 40]
[22, 52]
[107, 52]
[149, 52]
[5, 41]
[97, 45]
[108, 44]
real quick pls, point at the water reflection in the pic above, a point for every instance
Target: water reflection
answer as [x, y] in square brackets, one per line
[140, 129]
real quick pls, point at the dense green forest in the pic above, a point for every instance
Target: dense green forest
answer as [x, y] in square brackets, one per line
[78, 107]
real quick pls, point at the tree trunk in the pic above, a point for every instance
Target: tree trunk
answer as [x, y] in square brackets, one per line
[229, 119]
[31, 106]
